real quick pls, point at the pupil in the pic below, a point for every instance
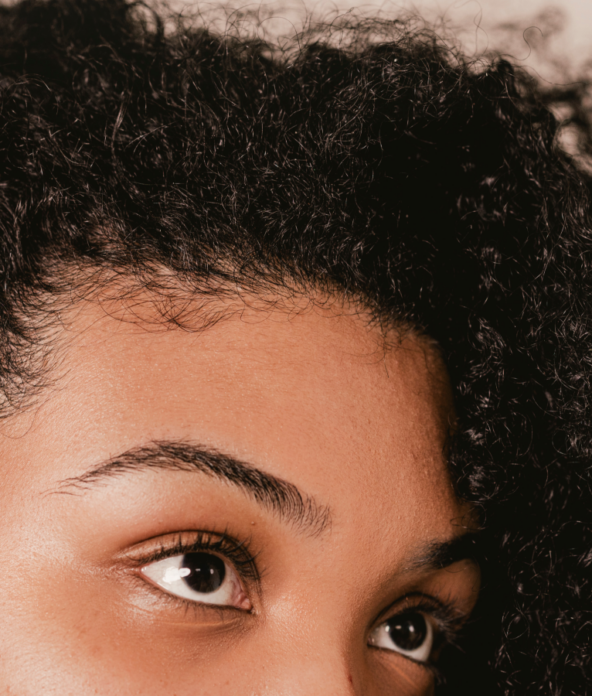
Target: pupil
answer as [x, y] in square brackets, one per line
[408, 631]
[206, 571]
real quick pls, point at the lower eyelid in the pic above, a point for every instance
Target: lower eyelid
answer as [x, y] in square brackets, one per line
[396, 661]
[214, 580]
[154, 600]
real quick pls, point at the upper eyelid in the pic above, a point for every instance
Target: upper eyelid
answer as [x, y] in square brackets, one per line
[449, 620]
[228, 549]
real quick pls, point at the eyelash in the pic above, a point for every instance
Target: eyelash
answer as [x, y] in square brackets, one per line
[448, 623]
[223, 545]
[446, 617]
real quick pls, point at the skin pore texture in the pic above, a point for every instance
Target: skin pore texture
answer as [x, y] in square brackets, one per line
[316, 399]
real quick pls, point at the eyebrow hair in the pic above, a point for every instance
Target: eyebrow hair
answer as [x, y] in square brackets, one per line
[441, 554]
[282, 497]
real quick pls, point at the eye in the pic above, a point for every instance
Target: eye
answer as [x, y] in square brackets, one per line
[199, 577]
[409, 633]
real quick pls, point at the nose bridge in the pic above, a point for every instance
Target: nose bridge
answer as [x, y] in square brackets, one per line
[310, 675]
[309, 661]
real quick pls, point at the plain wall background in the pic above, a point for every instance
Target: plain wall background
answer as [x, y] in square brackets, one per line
[535, 33]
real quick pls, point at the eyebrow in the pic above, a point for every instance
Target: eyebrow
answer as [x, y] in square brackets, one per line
[438, 555]
[275, 494]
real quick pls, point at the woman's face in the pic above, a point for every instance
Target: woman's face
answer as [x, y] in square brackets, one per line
[260, 508]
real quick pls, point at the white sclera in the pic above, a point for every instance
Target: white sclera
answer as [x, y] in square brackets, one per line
[381, 638]
[169, 574]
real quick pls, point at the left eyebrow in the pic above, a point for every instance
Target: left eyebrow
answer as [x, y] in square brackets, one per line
[441, 554]
[278, 495]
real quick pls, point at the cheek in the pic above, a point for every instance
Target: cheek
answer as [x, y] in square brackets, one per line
[392, 675]
[77, 634]
[77, 637]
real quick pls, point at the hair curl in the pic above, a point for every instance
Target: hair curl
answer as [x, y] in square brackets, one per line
[432, 190]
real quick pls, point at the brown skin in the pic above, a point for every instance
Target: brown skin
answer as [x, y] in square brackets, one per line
[314, 398]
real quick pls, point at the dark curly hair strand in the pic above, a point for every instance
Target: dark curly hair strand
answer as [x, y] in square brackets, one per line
[433, 191]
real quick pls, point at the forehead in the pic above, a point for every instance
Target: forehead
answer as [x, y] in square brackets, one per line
[314, 395]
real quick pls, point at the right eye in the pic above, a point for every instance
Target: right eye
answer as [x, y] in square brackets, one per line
[409, 633]
[200, 577]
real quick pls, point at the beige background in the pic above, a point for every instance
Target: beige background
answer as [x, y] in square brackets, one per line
[535, 33]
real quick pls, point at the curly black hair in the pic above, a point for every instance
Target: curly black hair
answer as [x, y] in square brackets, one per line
[432, 190]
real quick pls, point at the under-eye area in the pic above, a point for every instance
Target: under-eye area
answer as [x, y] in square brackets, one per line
[217, 571]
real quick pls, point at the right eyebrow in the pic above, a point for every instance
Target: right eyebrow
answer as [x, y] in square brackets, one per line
[278, 495]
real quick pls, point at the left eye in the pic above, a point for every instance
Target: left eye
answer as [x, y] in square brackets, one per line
[200, 577]
[409, 633]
